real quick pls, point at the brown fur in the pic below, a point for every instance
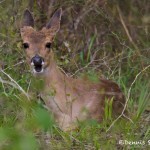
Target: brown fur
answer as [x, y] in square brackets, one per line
[69, 99]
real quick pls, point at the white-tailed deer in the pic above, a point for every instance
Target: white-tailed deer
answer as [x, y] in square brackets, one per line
[68, 99]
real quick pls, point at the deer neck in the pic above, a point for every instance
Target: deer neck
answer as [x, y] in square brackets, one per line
[54, 79]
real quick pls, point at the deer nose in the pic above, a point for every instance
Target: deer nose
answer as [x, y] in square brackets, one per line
[37, 60]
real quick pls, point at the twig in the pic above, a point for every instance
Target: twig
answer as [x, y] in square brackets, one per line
[2, 84]
[126, 29]
[3, 43]
[63, 71]
[93, 57]
[128, 118]
[16, 85]
[21, 62]
[29, 86]
[128, 96]
[81, 17]
[88, 8]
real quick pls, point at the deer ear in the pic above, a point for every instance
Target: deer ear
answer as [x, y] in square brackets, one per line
[27, 19]
[54, 23]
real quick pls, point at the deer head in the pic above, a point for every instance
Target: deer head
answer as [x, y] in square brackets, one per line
[37, 44]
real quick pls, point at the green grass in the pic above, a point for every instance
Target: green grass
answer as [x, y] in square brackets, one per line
[26, 125]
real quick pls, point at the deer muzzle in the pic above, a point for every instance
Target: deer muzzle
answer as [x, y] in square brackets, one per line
[37, 62]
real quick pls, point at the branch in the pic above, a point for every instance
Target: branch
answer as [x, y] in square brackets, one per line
[128, 96]
[13, 83]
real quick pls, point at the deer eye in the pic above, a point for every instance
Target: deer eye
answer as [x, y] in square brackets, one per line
[48, 45]
[25, 45]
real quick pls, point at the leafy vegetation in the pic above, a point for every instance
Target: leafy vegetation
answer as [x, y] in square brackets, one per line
[97, 38]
